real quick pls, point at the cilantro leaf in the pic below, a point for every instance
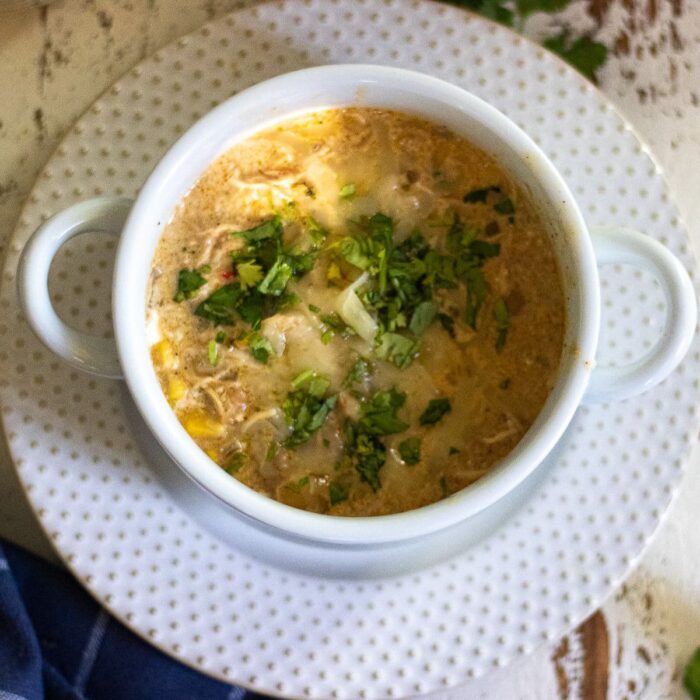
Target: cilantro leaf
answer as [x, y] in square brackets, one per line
[213, 353]
[484, 249]
[691, 676]
[422, 317]
[505, 207]
[347, 191]
[358, 372]
[444, 488]
[332, 325]
[260, 347]
[337, 492]
[476, 294]
[360, 252]
[236, 461]
[584, 54]
[275, 281]
[502, 318]
[397, 349]
[219, 306]
[378, 414]
[270, 229]
[479, 196]
[302, 262]
[316, 231]
[434, 411]
[252, 308]
[249, 272]
[367, 452]
[188, 282]
[306, 407]
[409, 450]
[362, 439]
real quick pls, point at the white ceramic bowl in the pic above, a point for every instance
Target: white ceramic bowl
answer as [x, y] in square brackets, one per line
[139, 225]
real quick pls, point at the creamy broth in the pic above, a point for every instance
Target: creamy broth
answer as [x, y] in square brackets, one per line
[356, 312]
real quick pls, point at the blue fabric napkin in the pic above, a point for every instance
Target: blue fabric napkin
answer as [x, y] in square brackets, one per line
[57, 643]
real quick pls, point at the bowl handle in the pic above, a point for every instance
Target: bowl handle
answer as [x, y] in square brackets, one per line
[617, 245]
[87, 352]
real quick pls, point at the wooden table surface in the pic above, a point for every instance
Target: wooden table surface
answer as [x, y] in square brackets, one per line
[54, 61]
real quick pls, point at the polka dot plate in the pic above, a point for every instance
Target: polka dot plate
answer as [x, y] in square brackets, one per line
[543, 565]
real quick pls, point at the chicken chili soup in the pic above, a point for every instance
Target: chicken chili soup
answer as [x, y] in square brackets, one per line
[356, 312]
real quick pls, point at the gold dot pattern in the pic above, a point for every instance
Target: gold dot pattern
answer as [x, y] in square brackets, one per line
[218, 609]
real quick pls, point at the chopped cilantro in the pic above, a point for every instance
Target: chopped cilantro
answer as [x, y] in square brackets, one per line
[235, 463]
[213, 353]
[337, 492]
[379, 413]
[316, 231]
[504, 384]
[303, 482]
[307, 406]
[314, 309]
[505, 207]
[275, 281]
[397, 349]
[332, 325]
[358, 372]
[404, 277]
[502, 318]
[409, 450]
[286, 301]
[271, 450]
[444, 489]
[453, 451]
[691, 676]
[422, 317]
[435, 410]
[219, 307]
[249, 272]
[367, 453]
[270, 229]
[471, 254]
[252, 308]
[347, 191]
[363, 445]
[220, 337]
[260, 347]
[360, 252]
[484, 249]
[476, 294]
[479, 196]
[188, 282]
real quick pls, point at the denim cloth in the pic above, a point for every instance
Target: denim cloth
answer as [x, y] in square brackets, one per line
[57, 643]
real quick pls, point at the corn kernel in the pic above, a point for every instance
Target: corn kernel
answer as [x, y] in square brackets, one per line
[177, 388]
[162, 354]
[200, 425]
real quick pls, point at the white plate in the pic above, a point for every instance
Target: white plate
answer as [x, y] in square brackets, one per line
[578, 531]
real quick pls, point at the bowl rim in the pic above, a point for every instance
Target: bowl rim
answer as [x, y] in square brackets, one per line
[139, 374]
